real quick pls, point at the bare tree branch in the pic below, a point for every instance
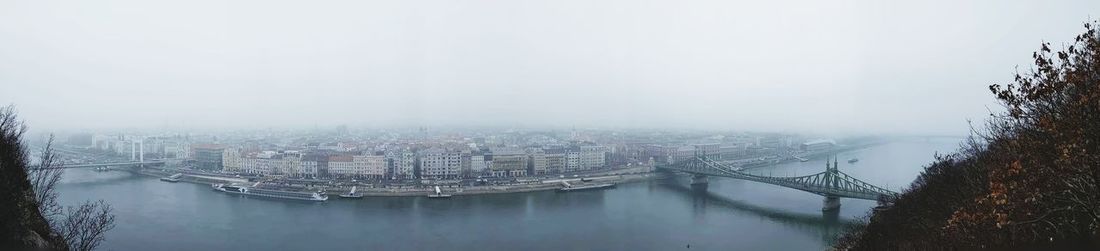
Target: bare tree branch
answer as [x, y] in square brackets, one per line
[45, 178]
[85, 226]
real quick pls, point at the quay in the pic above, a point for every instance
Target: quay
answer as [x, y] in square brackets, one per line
[617, 176]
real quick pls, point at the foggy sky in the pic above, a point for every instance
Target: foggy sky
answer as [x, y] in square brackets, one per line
[817, 66]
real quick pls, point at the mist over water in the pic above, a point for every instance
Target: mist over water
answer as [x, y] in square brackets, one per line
[654, 215]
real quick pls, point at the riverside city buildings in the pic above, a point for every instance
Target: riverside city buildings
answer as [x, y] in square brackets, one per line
[440, 160]
[438, 163]
[296, 164]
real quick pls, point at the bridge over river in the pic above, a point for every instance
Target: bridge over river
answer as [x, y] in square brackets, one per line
[831, 183]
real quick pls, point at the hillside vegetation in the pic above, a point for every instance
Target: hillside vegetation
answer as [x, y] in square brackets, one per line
[30, 216]
[1027, 180]
[23, 225]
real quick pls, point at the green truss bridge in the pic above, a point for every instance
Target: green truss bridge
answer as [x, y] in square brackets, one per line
[832, 184]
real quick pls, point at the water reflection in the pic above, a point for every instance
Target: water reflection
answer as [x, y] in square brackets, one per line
[827, 226]
[88, 178]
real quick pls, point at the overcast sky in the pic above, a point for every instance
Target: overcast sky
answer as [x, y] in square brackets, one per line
[818, 66]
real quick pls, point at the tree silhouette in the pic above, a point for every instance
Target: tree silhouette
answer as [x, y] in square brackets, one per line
[30, 217]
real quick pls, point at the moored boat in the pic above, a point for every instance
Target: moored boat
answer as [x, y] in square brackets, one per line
[586, 187]
[173, 178]
[270, 193]
[439, 194]
[353, 194]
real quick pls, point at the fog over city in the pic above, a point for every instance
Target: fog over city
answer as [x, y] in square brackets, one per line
[814, 66]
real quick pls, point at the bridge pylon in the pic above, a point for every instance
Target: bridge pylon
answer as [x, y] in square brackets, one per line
[699, 182]
[831, 203]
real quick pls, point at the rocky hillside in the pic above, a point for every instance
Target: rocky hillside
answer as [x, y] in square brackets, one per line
[21, 223]
[1028, 179]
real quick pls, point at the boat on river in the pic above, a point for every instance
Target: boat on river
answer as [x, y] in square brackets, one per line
[174, 178]
[270, 193]
[438, 194]
[353, 194]
[571, 188]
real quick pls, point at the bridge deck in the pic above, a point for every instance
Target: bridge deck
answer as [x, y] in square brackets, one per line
[104, 164]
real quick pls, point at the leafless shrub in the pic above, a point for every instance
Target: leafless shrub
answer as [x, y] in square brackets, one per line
[44, 178]
[85, 226]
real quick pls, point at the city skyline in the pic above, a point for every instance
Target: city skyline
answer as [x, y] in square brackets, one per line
[381, 155]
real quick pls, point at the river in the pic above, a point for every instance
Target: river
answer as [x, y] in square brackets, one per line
[650, 215]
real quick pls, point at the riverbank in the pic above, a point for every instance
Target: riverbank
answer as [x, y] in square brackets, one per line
[190, 178]
[521, 188]
[620, 176]
[816, 155]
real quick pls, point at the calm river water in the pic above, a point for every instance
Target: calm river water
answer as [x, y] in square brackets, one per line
[653, 215]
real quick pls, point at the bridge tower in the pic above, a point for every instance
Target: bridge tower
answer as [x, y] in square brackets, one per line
[137, 150]
[832, 181]
[700, 182]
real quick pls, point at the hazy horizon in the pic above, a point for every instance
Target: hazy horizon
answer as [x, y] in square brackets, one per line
[805, 66]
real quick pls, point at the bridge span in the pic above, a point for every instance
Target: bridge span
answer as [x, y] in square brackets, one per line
[114, 164]
[832, 184]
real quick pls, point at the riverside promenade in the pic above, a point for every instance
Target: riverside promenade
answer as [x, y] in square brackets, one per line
[530, 184]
